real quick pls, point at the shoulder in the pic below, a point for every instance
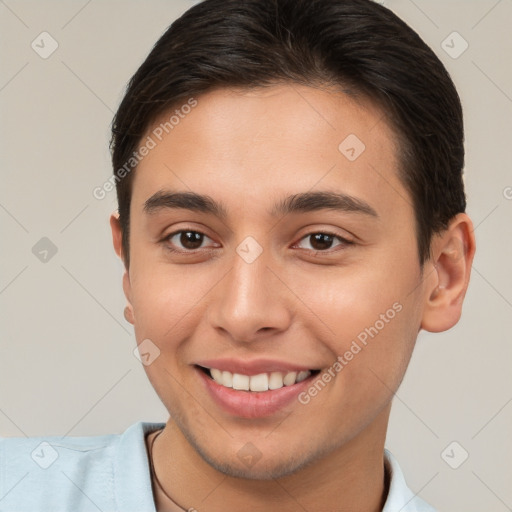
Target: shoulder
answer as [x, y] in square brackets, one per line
[70, 473]
[400, 497]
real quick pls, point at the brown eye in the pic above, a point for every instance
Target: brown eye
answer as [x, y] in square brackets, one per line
[323, 241]
[186, 240]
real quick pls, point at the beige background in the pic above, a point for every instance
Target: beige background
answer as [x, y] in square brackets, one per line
[66, 360]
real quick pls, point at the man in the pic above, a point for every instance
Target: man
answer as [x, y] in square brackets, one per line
[291, 215]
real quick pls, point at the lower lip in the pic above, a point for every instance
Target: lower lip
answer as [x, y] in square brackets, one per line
[253, 404]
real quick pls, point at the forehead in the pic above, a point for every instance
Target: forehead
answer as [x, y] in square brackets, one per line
[263, 143]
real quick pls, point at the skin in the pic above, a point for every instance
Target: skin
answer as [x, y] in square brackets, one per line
[248, 150]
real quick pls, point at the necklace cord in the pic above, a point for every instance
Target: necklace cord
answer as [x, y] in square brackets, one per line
[153, 472]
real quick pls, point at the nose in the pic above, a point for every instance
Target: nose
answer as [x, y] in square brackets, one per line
[251, 302]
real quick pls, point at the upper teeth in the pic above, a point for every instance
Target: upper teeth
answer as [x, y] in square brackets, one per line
[260, 382]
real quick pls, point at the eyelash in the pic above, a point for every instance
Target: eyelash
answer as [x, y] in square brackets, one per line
[166, 240]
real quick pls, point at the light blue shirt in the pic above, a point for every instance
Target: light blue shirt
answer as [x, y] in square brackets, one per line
[110, 473]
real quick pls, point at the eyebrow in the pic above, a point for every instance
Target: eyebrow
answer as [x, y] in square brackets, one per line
[296, 203]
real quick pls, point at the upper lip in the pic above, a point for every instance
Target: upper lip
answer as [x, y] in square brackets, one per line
[253, 366]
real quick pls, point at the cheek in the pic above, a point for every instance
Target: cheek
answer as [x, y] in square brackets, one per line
[166, 297]
[373, 316]
[352, 299]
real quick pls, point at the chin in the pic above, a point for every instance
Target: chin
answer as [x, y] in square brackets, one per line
[269, 464]
[269, 469]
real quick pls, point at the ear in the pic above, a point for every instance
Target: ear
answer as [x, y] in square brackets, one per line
[117, 239]
[448, 274]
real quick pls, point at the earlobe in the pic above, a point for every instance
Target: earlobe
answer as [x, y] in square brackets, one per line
[452, 256]
[128, 314]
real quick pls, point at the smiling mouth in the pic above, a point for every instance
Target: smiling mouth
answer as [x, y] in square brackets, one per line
[257, 383]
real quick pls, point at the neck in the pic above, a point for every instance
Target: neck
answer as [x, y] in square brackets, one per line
[349, 478]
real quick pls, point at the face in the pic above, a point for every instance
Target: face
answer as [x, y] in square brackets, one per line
[302, 257]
